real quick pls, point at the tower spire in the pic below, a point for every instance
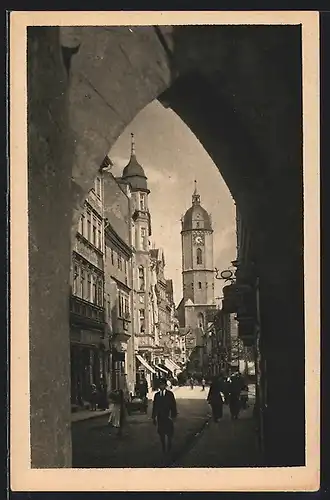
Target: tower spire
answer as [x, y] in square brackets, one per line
[132, 145]
[195, 197]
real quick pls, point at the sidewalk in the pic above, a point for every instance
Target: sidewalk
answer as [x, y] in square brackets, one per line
[81, 415]
[228, 443]
[87, 414]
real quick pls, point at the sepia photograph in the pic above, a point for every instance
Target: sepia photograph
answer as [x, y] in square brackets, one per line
[164, 255]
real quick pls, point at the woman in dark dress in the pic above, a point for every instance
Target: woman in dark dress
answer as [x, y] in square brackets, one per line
[215, 400]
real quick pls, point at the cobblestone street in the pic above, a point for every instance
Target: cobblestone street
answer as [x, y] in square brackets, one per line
[197, 443]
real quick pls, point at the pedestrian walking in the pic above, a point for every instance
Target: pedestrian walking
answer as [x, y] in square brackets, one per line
[203, 384]
[191, 381]
[245, 396]
[234, 396]
[215, 400]
[102, 397]
[143, 388]
[117, 414]
[94, 397]
[164, 411]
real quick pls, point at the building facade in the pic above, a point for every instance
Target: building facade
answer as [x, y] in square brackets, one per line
[119, 282]
[88, 346]
[144, 301]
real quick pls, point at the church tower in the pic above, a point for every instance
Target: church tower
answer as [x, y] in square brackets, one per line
[197, 262]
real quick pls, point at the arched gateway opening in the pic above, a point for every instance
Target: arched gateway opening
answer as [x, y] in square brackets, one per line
[238, 88]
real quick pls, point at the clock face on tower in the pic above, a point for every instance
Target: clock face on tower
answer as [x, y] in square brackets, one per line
[198, 238]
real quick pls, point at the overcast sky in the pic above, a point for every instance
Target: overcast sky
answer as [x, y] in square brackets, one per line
[172, 158]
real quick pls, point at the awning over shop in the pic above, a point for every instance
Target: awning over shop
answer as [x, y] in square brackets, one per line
[145, 364]
[170, 365]
[161, 369]
[177, 367]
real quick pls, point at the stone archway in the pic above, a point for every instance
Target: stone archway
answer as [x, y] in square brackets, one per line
[238, 89]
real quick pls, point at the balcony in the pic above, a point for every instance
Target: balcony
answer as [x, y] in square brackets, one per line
[86, 313]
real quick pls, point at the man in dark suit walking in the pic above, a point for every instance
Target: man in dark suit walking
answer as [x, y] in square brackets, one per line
[163, 412]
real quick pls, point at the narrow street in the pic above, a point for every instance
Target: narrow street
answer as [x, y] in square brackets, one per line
[197, 443]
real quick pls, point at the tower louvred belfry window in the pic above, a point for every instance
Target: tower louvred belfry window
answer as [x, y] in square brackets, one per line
[199, 256]
[141, 278]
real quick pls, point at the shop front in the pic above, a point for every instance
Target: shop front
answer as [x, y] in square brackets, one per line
[88, 366]
[119, 361]
[145, 370]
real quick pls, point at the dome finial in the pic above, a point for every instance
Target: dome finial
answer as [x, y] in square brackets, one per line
[132, 145]
[195, 197]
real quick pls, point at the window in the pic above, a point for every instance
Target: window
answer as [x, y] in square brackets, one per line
[141, 279]
[112, 257]
[199, 256]
[94, 291]
[141, 315]
[144, 243]
[120, 306]
[120, 262]
[89, 215]
[200, 285]
[126, 307]
[126, 272]
[83, 285]
[75, 279]
[94, 235]
[81, 228]
[98, 187]
[89, 286]
[142, 202]
[99, 234]
[100, 292]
